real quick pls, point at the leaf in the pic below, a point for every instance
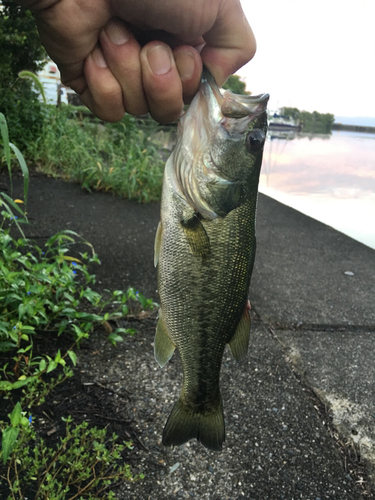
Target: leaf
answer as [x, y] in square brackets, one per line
[25, 170]
[92, 296]
[88, 316]
[68, 297]
[7, 208]
[15, 416]
[62, 326]
[27, 328]
[73, 259]
[23, 350]
[113, 338]
[5, 136]
[68, 311]
[72, 355]
[21, 383]
[130, 331]
[13, 334]
[51, 365]
[10, 435]
[21, 310]
[5, 385]
[60, 235]
[42, 365]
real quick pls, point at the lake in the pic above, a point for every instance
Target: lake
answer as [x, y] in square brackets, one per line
[328, 177]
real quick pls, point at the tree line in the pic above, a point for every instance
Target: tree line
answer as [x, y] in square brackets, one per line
[320, 123]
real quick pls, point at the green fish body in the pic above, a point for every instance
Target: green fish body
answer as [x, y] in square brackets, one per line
[205, 249]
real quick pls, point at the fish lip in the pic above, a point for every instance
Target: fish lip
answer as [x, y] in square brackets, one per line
[234, 105]
[240, 106]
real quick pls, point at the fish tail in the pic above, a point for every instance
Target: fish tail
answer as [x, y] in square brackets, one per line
[184, 424]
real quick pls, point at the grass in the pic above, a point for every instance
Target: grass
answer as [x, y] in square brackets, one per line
[116, 157]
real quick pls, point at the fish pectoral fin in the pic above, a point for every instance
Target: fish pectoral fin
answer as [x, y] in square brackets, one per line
[196, 235]
[240, 340]
[163, 345]
[157, 244]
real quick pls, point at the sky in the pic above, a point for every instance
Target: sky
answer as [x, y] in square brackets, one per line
[314, 55]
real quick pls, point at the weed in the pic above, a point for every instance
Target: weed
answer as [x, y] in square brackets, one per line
[116, 157]
[81, 465]
[46, 292]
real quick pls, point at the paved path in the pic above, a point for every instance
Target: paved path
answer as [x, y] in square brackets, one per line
[302, 405]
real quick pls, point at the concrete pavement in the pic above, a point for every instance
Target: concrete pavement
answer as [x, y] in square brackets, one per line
[303, 402]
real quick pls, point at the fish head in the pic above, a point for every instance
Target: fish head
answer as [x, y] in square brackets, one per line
[219, 148]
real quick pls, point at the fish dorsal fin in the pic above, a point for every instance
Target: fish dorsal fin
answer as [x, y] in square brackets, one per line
[240, 340]
[196, 235]
[163, 345]
[157, 244]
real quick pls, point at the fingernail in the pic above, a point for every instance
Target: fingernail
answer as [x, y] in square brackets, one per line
[159, 59]
[98, 58]
[117, 32]
[185, 64]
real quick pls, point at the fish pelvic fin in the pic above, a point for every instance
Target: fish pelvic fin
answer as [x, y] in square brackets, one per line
[239, 343]
[184, 424]
[163, 345]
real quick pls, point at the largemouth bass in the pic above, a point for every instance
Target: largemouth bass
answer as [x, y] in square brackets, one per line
[204, 250]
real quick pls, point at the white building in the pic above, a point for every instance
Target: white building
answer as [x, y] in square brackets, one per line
[50, 78]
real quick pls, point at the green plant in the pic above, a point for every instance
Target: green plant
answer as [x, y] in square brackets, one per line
[117, 157]
[46, 293]
[83, 465]
[8, 148]
[25, 114]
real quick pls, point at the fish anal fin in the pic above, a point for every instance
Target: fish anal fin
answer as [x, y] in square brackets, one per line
[163, 345]
[240, 340]
[196, 235]
[184, 424]
[157, 244]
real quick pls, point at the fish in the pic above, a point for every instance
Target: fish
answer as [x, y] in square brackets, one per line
[204, 251]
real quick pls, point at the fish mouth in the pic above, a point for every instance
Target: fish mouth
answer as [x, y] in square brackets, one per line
[233, 105]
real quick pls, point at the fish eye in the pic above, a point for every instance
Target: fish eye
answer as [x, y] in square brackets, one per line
[255, 140]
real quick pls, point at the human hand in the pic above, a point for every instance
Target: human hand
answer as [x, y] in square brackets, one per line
[140, 56]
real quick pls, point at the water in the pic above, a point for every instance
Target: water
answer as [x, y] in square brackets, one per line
[330, 178]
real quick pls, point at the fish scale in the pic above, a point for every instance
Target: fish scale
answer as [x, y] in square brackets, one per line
[205, 249]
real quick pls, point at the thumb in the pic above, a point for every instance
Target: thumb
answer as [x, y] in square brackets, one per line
[230, 43]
